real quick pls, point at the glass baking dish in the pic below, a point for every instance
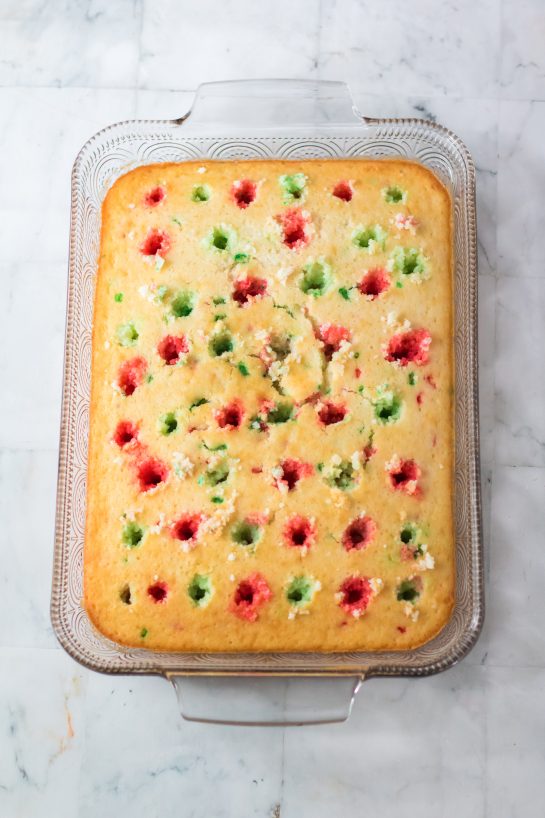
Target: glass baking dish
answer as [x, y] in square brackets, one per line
[265, 119]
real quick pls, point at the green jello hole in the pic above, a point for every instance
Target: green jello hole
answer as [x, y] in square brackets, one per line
[132, 535]
[200, 590]
[182, 304]
[364, 237]
[293, 186]
[168, 423]
[127, 334]
[407, 591]
[409, 261]
[345, 478]
[125, 595]
[394, 195]
[218, 474]
[221, 344]
[200, 193]
[245, 533]
[407, 534]
[316, 278]
[388, 409]
[280, 413]
[220, 239]
[300, 591]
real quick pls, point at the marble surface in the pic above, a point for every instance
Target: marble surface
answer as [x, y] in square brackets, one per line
[470, 742]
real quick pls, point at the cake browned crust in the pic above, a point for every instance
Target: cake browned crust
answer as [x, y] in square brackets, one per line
[270, 456]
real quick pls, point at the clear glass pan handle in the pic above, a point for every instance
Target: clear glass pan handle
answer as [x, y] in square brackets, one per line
[265, 701]
[239, 105]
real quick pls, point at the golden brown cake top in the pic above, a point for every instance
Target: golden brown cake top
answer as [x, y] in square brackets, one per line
[270, 461]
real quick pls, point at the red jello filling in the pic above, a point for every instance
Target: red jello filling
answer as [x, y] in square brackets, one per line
[343, 190]
[356, 594]
[151, 473]
[300, 532]
[187, 527]
[154, 197]
[230, 416]
[404, 476]
[374, 283]
[330, 413]
[244, 192]
[294, 223]
[293, 471]
[249, 288]
[359, 533]
[131, 375]
[171, 348]
[156, 243]
[158, 591]
[409, 347]
[125, 433]
[251, 593]
[332, 336]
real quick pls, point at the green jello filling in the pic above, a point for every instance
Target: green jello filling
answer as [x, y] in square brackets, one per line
[198, 402]
[409, 261]
[200, 193]
[143, 633]
[316, 278]
[300, 591]
[132, 535]
[407, 534]
[241, 258]
[394, 195]
[182, 304]
[200, 590]
[245, 533]
[127, 334]
[293, 186]
[168, 423]
[411, 379]
[407, 591]
[220, 344]
[343, 476]
[118, 297]
[367, 237]
[221, 238]
[125, 595]
[218, 299]
[344, 293]
[218, 474]
[243, 369]
[280, 413]
[388, 408]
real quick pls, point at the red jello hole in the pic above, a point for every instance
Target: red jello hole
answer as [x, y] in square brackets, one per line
[374, 283]
[244, 192]
[131, 375]
[154, 197]
[250, 594]
[293, 471]
[249, 288]
[158, 591]
[356, 593]
[299, 532]
[156, 243]
[151, 473]
[125, 433]
[359, 533]
[187, 527]
[332, 336]
[171, 348]
[404, 476]
[230, 416]
[409, 347]
[343, 190]
[294, 223]
[330, 413]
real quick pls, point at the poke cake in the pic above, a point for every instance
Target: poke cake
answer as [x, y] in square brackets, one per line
[271, 423]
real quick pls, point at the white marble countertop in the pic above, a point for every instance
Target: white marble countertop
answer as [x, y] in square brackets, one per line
[469, 742]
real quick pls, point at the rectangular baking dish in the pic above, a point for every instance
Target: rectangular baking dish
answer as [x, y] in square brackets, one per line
[265, 119]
